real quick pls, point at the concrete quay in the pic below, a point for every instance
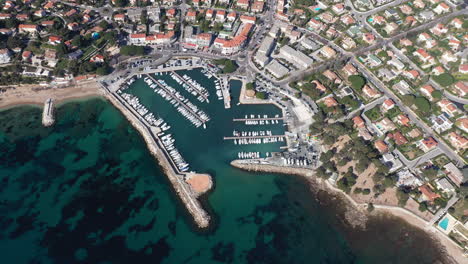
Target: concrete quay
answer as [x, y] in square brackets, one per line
[258, 166]
[184, 190]
[48, 113]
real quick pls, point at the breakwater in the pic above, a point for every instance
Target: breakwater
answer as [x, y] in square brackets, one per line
[250, 165]
[48, 113]
[184, 190]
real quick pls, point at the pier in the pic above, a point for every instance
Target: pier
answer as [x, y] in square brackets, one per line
[258, 119]
[192, 86]
[196, 115]
[48, 113]
[254, 137]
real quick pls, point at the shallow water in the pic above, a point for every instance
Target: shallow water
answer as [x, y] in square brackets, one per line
[87, 191]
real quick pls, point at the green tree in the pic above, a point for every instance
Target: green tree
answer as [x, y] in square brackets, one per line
[370, 207]
[260, 95]
[437, 95]
[444, 79]
[402, 195]
[357, 82]
[422, 104]
[250, 86]
[423, 207]
[408, 99]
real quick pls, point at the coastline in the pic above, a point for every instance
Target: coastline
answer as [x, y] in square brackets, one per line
[356, 213]
[36, 95]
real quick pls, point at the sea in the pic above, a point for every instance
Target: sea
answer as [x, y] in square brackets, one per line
[87, 190]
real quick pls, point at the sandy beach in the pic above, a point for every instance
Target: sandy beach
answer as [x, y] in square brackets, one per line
[36, 94]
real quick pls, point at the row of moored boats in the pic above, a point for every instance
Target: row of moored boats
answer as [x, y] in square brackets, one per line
[190, 111]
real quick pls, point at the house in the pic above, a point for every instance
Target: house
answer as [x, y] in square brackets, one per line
[98, 58]
[396, 63]
[388, 104]
[191, 15]
[137, 39]
[332, 76]
[71, 13]
[358, 122]
[330, 101]
[403, 120]
[370, 92]
[369, 38]
[442, 8]
[457, 23]
[315, 25]
[427, 144]
[448, 107]
[406, 9]
[338, 8]
[462, 123]
[22, 17]
[348, 43]
[428, 193]
[439, 29]
[257, 6]
[40, 13]
[390, 27]
[406, 42]
[231, 16]
[319, 86]
[423, 56]
[414, 133]
[5, 16]
[444, 185]
[47, 23]
[204, 39]
[398, 138]
[248, 19]
[438, 70]
[381, 146]
[242, 4]
[73, 26]
[327, 52]
[5, 56]
[220, 16]
[454, 174]
[458, 141]
[349, 69]
[441, 123]
[55, 40]
[427, 91]
[448, 57]
[411, 74]
[419, 4]
[378, 20]
[385, 125]
[461, 88]
[28, 28]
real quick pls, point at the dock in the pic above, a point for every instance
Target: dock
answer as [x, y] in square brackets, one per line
[258, 119]
[254, 137]
[192, 86]
[48, 113]
[225, 90]
[178, 100]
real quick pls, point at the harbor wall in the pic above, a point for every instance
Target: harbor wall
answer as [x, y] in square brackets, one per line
[188, 197]
[257, 167]
[48, 113]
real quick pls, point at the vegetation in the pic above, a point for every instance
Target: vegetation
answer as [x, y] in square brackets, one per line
[444, 79]
[260, 95]
[403, 195]
[357, 82]
[132, 50]
[250, 86]
[228, 66]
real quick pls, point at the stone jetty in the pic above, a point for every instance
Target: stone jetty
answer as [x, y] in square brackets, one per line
[186, 191]
[48, 113]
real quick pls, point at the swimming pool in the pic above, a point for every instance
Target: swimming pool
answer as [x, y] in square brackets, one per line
[444, 223]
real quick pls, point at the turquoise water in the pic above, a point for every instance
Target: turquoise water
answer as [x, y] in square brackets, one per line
[87, 191]
[444, 223]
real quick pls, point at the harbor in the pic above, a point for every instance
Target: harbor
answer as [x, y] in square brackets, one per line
[161, 146]
[48, 118]
[166, 104]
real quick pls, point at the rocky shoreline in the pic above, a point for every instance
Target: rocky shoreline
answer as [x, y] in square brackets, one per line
[356, 215]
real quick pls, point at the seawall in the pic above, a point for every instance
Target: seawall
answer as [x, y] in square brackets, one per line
[186, 194]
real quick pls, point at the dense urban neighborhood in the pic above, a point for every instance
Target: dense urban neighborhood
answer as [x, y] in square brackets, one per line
[378, 87]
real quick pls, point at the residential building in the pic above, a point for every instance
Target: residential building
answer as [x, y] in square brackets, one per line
[296, 58]
[441, 123]
[427, 144]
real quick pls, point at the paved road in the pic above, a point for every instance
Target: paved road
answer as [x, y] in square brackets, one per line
[442, 211]
[413, 117]
[412, 164]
